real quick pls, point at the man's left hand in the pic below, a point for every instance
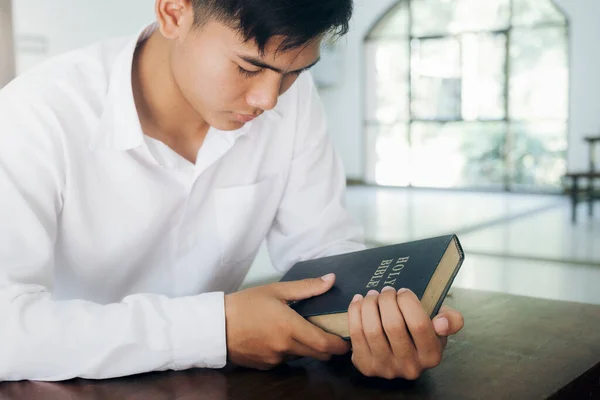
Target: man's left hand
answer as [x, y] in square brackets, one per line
[392, 336]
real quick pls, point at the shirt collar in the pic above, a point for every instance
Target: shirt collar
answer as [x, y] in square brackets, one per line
[275, 114]
[120, 127]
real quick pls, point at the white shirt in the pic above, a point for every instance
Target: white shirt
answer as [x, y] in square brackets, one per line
[115, 252]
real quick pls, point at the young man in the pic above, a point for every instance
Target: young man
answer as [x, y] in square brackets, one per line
[138, 179]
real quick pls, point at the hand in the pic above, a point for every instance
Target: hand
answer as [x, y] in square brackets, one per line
[392, 336]
[262, 329]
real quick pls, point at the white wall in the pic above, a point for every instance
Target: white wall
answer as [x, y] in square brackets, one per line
[45, 28]
[584, 77]
[345, 107]
[344, 103]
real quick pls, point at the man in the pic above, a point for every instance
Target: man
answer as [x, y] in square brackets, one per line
[139, 178]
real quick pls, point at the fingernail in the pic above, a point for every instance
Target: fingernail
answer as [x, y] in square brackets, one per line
[400, 291]
[441, 325]
[387, 288]
[372, 293]
[328, 277]
[356, 298]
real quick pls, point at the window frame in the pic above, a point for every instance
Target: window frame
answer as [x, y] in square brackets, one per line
[508, 185]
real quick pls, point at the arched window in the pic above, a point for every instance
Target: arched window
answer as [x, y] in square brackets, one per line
[467, 93]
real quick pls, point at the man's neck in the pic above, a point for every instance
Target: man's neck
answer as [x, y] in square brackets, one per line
[164, 113]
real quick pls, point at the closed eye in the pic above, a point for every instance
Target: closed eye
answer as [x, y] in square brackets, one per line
[248, 74]
[297, 73]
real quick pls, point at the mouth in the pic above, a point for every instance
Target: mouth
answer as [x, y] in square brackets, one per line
[244, 118]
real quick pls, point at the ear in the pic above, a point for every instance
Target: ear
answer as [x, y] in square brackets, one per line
[174, 17]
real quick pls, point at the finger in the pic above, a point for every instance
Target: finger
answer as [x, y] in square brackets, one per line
[315, 338]
[303, 289]
[420, 326]
[300, 349]
[371, 321]
[395, 327]
[448, 321]
[360, 347]
[444, 341]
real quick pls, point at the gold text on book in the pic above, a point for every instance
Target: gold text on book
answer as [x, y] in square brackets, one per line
[391, 278]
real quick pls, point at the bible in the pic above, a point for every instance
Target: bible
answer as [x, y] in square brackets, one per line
[427, 267]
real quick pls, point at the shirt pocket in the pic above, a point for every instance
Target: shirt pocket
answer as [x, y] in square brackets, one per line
[244, 216]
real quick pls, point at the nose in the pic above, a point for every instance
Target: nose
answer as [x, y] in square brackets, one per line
[264, 94]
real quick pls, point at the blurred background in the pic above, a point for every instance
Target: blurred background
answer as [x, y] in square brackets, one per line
[451, 116]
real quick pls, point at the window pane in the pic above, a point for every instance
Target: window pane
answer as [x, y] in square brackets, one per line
[394, 24]
[387, 155]
[436, 17]
[456, 63]
[531, 12]
[483, 72]
[539, 74]
[538, 154]
[386, 86]
[459, 154]
[436, 83]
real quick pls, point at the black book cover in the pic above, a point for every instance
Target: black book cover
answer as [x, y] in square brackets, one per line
[407, 265]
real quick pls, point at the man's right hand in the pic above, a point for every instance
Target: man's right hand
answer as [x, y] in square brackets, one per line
[262, 329]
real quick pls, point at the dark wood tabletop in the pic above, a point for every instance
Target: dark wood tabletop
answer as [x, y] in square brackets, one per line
[511, 348]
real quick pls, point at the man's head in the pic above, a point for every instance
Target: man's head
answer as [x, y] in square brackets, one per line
[232, 59]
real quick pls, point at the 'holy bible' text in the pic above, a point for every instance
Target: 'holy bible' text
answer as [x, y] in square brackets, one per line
[391, 277]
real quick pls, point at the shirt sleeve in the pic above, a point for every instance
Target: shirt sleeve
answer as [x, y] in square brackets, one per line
[312, 220]
[49, 340]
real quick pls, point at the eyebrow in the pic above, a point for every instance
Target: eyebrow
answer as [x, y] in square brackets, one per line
[260, 64]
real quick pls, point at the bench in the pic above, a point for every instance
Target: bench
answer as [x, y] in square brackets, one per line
[591, 141]
[590, 175]
[575, 177]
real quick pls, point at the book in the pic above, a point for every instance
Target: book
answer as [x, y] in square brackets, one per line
[427, 267]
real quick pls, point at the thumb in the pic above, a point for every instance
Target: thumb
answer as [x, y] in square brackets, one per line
[448, 322]
[303, 289]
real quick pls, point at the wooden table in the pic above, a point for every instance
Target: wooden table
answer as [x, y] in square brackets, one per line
[511, 348]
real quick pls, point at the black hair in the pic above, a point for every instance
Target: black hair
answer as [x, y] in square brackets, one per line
[297, 21]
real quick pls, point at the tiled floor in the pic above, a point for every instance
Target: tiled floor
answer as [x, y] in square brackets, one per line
[552, 280]
[514, 243]
[392, 215]
[545, 235]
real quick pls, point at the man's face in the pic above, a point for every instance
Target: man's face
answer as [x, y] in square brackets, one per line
[229, 82]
